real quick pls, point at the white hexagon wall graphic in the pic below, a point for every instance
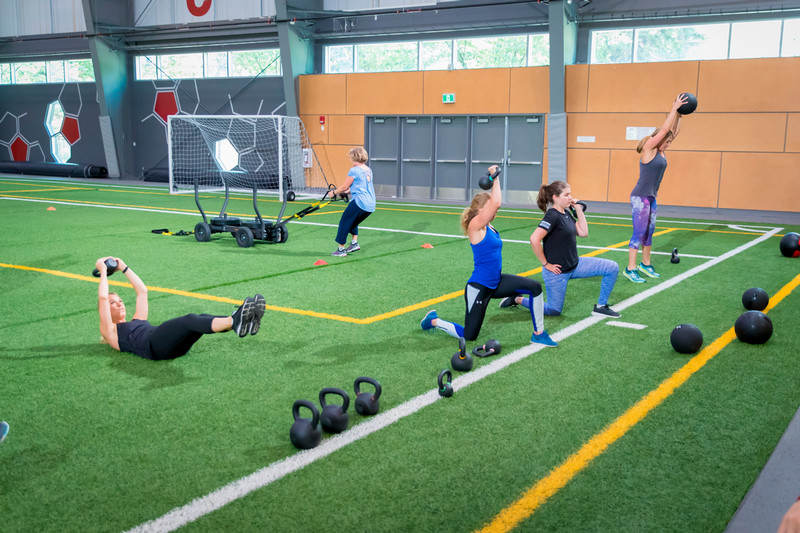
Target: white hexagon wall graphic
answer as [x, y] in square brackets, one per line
[226, 155]
[54, 118]
[61, 148]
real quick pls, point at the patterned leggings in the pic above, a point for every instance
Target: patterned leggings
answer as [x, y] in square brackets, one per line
[644, 210]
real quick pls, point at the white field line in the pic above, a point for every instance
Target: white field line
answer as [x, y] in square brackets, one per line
[180, 516]
[629, 325]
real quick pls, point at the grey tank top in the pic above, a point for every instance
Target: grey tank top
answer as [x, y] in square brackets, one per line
[650, 176]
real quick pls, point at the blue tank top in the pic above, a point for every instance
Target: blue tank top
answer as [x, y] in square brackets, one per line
[488, 258]
[650, 176]
[134, 337]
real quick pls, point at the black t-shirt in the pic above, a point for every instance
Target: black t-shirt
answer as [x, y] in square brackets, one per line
[560, 245]
[134, 337]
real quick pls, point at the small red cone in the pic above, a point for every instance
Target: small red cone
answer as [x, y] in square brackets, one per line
[320, 262]
[51, 208]
[427, 245]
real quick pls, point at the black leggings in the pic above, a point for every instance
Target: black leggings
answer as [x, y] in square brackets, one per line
[175, 337]
[351, 218]
[477, 298]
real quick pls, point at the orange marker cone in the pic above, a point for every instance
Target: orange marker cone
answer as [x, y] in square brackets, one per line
[320, 262]
[51, 208]
[427, 245]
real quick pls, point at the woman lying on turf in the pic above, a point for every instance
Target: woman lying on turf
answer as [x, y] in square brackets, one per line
[487, 280]
[554, 244]
[359, 184]
[174, 337]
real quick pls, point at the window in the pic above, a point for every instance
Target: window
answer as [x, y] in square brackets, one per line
[339, 59]
[79, 70]
[244, 63]
[697, 42]
[58, 71]
[539, 50]
[492, 52]
[30, 72]
[5, 73]
[435, 55]
[376, 57]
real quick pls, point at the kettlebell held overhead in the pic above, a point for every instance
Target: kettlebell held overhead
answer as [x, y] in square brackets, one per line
[487, 180]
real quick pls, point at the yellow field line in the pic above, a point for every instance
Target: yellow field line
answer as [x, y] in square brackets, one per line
[532, 499]
[8, 193]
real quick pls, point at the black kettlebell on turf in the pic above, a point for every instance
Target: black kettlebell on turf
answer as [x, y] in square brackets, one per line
[445, 387]
[674, 259]
[487, 181]
[111, 265]
[492, 347]
[367, 403]
[305, 433]
[461, 360]
[334, 418]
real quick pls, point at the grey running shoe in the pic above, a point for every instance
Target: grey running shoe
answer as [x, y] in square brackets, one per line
[243, 316]
[605, 310]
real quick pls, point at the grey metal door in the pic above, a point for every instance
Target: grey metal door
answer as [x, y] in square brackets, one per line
[488, 148]
[416, 175]
[524, 158]
[383, 144]
[451, 170]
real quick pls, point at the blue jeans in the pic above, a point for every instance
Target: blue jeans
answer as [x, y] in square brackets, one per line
[588, 267]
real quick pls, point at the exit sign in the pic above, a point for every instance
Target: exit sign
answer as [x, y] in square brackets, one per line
[448, 98]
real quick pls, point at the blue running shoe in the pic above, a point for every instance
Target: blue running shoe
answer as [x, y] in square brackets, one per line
[633, 276]
[430, 317]
[3, 430]
[543, 338]
[649, 270]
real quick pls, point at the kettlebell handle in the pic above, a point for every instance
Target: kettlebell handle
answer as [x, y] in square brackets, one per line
[373, 382]
[305, 403]
[339, 392]
[445, 373]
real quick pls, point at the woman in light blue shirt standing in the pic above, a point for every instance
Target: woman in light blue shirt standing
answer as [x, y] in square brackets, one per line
[359, 184]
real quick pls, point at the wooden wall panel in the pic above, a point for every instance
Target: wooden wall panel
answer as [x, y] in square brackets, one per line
[317, 133]
[530, 90]
[347, 129]
[793, 132]
[639, 87]
[768, 84]
[477, 91]
[732, 132]
[760, 181]
[691, 179]
[622, 175]
[588, 174]
[577, 88]
[334, 161]
[608, 129]
[384, 93]
[322, 94]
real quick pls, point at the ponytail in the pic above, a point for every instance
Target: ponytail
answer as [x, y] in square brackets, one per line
[640, 146]
[546, 193]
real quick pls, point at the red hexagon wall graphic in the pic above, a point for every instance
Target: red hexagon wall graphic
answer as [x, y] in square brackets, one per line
[14, 140]
[71, 130]
[19, 149]
[166, 104]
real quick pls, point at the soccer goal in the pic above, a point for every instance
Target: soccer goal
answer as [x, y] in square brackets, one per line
[269, 154]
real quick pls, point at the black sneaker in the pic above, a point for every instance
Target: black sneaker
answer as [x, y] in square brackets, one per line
[243, 316]
[260, 305]
[605, 310]
[508, 301]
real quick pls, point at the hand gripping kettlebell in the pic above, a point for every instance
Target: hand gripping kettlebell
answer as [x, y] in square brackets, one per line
[487, 180]
[445, 387]
[367, 403]
[305, 432]
[111, 265]
[334, 418]
[492, 347]
[461, 360]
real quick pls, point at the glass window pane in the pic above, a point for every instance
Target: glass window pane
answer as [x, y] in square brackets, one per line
[612, 46]
[539, 51]
[182, 65]
[217, 65]
[251, 63]
[791, 38]
[30, 72]
[338, 59]
[55, 71]
[79, 70]
[386, 57]
[436, 55]
[492, 52]
[755, 39]
[146, 68]
[5, 73]
[678, 43]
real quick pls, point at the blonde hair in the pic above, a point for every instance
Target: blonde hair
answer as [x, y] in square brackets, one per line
[480, 200]
[641, 144]
[359, 155]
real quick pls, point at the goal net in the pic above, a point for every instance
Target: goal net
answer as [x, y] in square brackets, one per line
[271, 152]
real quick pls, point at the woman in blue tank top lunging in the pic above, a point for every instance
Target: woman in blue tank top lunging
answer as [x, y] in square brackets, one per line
[174, 337]
[487, 280]
[652, 164]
